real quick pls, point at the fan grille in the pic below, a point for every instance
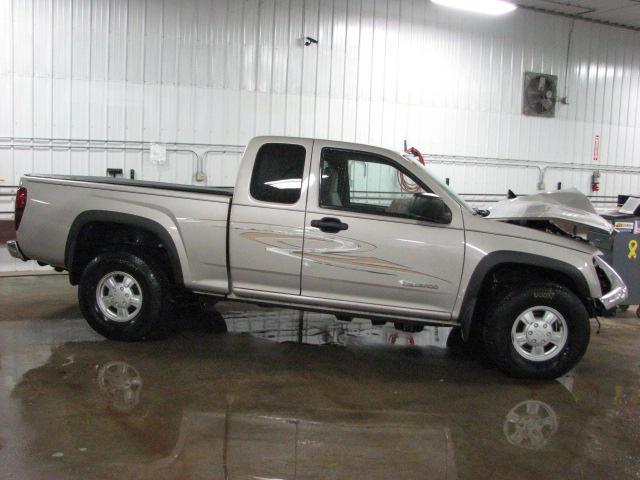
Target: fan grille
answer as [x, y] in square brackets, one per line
[539, 94]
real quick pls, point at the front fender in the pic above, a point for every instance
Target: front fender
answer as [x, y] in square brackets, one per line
[495, 259]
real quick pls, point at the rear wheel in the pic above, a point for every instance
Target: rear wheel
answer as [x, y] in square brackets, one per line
[539, 331]
[125, 296]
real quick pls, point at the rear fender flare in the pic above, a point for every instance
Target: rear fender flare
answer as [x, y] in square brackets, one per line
[102, 216]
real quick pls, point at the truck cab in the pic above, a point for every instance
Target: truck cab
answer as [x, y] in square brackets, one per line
[328, 223]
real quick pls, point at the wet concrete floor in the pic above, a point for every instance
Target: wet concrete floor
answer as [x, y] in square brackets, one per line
[271, 394]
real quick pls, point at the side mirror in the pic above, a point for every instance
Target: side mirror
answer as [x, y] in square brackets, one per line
[430, 207]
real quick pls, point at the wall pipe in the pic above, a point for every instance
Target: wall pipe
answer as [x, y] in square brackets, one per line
[235, 149]
[71, 144]
[587, 167]
[64, 148]
[70, 148]
[38, 143]
[516, 162]
[443, 160]
[136, 142]
[541, 166]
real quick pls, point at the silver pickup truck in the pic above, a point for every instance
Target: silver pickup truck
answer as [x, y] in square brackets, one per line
[353, 230]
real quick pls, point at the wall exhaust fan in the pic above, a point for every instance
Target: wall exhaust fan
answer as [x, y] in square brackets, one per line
[539, 94]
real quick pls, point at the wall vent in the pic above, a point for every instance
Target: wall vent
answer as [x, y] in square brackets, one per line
[539, 94]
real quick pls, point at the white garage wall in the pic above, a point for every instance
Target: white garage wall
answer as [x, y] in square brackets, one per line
[219, 72]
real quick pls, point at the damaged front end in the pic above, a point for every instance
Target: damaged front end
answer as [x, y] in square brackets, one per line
[567, 212]
[614, 290]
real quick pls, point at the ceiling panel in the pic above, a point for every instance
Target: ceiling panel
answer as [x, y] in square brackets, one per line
[620, 12]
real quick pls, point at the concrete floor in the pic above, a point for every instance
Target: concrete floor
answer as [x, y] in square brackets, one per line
[300, 397]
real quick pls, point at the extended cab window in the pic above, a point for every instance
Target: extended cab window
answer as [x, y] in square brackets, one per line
[368, 183]
[277, 173]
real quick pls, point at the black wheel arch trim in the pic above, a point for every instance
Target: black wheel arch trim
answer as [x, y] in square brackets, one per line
[103, 216]
[494, 259]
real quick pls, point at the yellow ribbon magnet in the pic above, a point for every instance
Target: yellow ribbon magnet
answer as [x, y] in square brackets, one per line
[633, 246]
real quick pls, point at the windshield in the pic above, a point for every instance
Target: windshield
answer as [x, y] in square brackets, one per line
[440, 183]
[446, 188]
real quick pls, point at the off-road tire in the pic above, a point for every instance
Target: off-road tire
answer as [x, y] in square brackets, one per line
[503, 312]
[151, 320]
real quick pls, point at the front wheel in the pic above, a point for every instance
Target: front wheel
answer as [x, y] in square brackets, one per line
[539, 331]
[124, 296]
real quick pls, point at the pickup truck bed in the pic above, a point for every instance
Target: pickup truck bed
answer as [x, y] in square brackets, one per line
[190, 220]
[228, 191]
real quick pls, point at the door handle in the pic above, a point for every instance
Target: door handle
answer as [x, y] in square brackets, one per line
[329, 224]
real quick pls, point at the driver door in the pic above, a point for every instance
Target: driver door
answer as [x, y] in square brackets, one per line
[364, 245]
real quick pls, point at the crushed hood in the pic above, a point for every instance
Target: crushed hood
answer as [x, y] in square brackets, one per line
[569, 210]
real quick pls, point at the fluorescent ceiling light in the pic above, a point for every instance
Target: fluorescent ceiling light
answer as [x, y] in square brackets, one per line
[489, 7]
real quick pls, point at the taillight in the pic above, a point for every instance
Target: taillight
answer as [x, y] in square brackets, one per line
[21, 203]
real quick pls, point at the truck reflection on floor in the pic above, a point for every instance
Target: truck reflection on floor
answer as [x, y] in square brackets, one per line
[230, 406]
[529, 424]
[323, 329]
[213, 445]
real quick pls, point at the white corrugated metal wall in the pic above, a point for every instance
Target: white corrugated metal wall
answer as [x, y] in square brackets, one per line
[220, 71]
[384, 70]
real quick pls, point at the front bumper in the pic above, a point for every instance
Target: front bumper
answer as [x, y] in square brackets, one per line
[14, 250]
[618, 293]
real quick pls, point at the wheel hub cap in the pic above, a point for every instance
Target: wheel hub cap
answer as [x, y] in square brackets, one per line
[119, 296]
[539, 333]
[530, 424]
[121, 383]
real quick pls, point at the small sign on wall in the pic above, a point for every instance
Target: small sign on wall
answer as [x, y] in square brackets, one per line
[596, 148]
[158, 153]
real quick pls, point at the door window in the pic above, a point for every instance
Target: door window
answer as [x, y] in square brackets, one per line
[368, 183]
[277, 173]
